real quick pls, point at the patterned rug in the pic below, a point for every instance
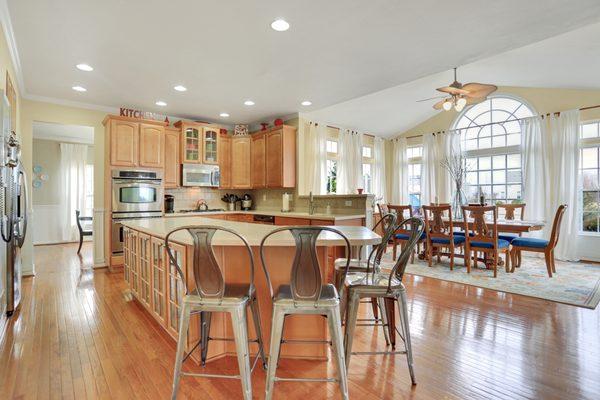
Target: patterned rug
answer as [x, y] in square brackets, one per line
[573, 283]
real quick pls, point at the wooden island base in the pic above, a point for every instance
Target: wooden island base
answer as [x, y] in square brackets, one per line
[157, 287]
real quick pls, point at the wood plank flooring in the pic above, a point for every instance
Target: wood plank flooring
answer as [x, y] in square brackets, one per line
[76, 337]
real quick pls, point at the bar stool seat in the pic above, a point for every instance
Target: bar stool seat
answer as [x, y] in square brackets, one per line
[234, 294]
[329, 296]
[356, 280]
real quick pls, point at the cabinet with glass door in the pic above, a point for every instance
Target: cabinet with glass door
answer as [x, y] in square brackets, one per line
[191, 142]
[158, 280]
[144, 269]
[210, 145]
[174, 288]
[133, 262]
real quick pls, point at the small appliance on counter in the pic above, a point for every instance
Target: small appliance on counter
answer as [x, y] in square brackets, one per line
[169, 203]
[285, 200]
[231, 200]
[246, 202]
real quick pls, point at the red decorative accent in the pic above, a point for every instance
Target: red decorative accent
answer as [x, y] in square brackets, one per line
[223, 131]
[167, 120]
[264, 125]
[359, 191]
[278, 122]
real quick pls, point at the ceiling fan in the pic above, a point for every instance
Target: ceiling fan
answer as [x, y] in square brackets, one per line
[458, 95]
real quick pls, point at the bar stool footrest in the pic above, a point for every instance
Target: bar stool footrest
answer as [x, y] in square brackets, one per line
[278, 379]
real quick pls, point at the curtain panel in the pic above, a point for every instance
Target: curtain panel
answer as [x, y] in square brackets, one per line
[73, 159]
[399, 193]
[379, 172]
[316, 159]
[349, 162]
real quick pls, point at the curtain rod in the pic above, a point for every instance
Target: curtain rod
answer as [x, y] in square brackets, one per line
[339, 129]
[557, 113]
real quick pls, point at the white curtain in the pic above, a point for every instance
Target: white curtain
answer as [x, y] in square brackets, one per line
[316, 159]
[430, 171]
[349, 162]
[564, 158]
[449, 146]
[379, 173]
[73, 159]
[535, 167]
[399, 172]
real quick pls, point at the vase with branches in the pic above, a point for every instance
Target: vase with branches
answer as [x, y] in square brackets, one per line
[457, 166]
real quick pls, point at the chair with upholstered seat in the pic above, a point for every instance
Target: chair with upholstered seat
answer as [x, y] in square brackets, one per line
[213, 294]
[83, 231]
[539, 245]
[403, 212]
[509, 215]
[306, 294]
[440, 234]
[482, 229]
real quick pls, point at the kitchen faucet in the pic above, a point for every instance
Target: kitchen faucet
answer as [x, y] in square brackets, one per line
[311, 204]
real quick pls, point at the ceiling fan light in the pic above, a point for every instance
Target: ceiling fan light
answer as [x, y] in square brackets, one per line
[460, 104]
[447, 105]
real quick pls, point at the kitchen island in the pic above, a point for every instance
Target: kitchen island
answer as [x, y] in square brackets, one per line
[153, 282]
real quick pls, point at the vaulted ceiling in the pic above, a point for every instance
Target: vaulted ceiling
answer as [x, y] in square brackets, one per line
[335, 51]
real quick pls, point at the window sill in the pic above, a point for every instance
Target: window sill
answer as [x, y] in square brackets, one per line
[589, 234]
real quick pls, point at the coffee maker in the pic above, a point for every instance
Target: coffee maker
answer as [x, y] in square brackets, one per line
[246, 202]
[169, 203]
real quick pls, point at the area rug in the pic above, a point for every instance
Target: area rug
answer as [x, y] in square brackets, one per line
[573, 283]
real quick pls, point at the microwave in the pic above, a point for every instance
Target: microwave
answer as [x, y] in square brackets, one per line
[200, 175]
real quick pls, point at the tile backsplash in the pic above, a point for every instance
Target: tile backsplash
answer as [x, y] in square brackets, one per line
[187, 198]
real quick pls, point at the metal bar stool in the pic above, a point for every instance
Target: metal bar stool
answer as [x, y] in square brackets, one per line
[212, 294]
[306, 294]
[389, 287]
[388, 223]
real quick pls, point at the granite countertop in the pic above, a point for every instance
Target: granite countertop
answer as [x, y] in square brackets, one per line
[291, 214]
[253, 233]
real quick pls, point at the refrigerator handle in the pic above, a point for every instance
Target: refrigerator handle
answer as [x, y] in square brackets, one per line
[21, 237]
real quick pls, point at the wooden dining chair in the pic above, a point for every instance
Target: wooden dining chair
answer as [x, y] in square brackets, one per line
[83, 231]
[402, 234]
[509, 214]
[539, 245]
[482, 236]
[383, 210]
[439, 233]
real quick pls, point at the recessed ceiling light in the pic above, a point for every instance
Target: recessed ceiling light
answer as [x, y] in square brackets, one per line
[280, 25]
[249, 103]
[306, 103]
[180, 88]
[84, 67]
[224, 115]
[79, 89]
[160, 103]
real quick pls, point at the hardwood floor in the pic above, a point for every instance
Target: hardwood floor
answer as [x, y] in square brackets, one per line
[77, 337]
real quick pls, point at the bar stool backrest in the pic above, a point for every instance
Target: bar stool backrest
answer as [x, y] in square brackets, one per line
[383, 209]
[305, 278]
[388, 222]
[416, 230]
[208, 276]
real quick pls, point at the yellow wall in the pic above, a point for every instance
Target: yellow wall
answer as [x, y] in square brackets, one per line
[542, 100]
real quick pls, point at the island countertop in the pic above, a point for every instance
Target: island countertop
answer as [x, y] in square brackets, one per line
[274, 213]
[253, 233]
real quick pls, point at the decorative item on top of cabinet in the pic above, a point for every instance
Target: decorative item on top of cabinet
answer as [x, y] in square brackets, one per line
[210, 145]
[258, 160]
[281, 157]
[240, 162]
[152, 142]
[171, 176]
[225, 161]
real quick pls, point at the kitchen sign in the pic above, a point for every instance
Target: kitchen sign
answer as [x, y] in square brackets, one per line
[130, 112]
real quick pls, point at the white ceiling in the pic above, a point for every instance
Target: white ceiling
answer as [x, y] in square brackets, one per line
[63, 133]
[225, 52]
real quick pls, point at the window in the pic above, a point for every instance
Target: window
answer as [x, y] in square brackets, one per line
[589, 171]
[367, 168]
[491, 138]
[332, 156]
[414, 155]
[332, 146]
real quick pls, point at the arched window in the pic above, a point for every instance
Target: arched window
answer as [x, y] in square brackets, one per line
[491, 139]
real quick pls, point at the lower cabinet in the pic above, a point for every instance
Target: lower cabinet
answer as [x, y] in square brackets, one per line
[159, 308]
[175, 287]
[134, 283]
[126, 262]
[144, 269]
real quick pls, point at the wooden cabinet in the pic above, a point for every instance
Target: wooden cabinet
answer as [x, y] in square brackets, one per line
[124, 137]
[144, 269]
[225, 161]
[174, 288]
[280, 159]
[152, 143]
[291, 221]
[158, 259]
[171, 175]
[258, 160]
[126, 262]
[240, 162]
[191, 143]
[133, 263]
[241, 218]
[210, 145]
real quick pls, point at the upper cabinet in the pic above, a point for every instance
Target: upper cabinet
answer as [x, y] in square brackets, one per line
[135, 144]
[152, 146]
[240, 162]
[280, 164]
[225, 161]
[210, 145]
[191, 143]
[171, 175]
[258, 160]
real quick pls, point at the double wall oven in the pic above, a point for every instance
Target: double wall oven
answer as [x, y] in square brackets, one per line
[135, 194]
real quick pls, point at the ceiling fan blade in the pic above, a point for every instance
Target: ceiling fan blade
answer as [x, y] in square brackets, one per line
[431, 98]
[474, 100]
[477, 90]
[438, 105]
[452, 90]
